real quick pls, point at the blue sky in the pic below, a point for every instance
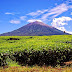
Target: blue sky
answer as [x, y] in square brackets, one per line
[17, 13]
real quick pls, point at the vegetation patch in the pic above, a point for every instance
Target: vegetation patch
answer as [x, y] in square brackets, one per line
[37, 50]
[43, 57]
[13, 39]
[69, 42]
[40, 58]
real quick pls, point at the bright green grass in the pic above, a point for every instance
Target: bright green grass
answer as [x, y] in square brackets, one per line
[36, 42]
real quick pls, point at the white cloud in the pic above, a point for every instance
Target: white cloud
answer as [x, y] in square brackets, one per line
[56, 11]
[23, 17]
[33, 20]
[61, 28]
[69, 32]
[38, 12]
[46, 14]
[15, 21]
[8, 13]
[60, 22]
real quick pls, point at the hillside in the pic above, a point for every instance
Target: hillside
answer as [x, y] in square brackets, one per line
[35, 29]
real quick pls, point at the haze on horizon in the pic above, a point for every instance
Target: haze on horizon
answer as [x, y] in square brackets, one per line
[17, 13]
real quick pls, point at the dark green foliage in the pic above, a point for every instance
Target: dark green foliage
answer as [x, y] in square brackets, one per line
[3, 60]
[43, 57]
[38, 57]
[13, 39]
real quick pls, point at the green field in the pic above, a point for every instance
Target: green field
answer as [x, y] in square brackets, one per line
[50, 50]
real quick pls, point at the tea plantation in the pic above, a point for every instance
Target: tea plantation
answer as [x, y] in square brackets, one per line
[35, 50]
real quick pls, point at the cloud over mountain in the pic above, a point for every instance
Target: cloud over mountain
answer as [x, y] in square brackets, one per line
[60, 22]
[33, 20]
[37, 13]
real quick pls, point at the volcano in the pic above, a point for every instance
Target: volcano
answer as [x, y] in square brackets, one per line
[35, 29]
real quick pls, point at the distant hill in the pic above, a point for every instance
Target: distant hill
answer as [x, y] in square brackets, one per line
[35, 29]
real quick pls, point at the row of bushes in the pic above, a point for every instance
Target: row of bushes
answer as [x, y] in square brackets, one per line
[40, 58]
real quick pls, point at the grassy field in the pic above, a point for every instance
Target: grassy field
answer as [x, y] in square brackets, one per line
[60, 42]
[35, 50]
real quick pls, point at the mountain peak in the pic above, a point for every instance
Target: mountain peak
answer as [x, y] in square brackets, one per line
[39, 23]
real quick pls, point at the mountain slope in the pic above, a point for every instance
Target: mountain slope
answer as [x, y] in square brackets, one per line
[34, 29]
